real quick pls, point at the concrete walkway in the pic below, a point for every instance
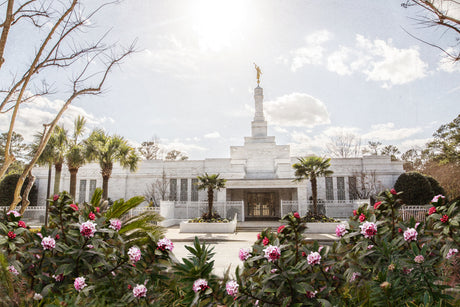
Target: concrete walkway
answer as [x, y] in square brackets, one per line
[226, 246]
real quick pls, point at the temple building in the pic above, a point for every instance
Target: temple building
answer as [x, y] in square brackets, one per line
[259, 178]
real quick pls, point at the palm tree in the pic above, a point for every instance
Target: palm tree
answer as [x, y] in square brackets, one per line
[107, 150]
[58, 144]
[210, 183]
[311, 168]
[76, 153]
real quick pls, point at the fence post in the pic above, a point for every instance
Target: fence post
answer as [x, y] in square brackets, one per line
[242, 210]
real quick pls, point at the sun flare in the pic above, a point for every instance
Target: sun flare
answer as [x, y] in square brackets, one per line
[219, 23]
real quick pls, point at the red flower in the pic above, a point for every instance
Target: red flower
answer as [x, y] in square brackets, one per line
[444, 218]
[130, 287]
[57, 237]
[400, 230]
[393, 191]
[355, 212]
[304, 254]
[98, 210]
[258, 236]
[280, 229]
[265, 241]
[22, 224]
[432, 210]
[362, 217]
[377, 205]
[74, 207]
[11, 235]
[296, 215]
[91, 216]
[55, 197]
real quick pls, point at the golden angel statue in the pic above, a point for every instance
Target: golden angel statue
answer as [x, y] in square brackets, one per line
[259, 72]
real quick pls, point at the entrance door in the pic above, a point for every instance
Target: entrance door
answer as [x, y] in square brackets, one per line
[261, 204]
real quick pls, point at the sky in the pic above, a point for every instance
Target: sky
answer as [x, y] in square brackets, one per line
[328, 68]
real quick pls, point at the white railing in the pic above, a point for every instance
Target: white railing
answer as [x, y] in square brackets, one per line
[139, 210]
[417, 212]
[33, 214]
[191, 209]
[331, 208]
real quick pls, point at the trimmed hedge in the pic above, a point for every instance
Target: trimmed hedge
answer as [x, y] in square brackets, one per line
[435, 186]
[416, 188]
[7, 187]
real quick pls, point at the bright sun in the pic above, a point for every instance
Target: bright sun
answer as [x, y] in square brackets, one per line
[219, 23]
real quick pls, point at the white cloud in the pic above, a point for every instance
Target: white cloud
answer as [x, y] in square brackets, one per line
[296, 110]
[413, 143]
[336, 61]
[312, 52]
[447, 64]
[387, 132]
[40, 110]
[212, 135]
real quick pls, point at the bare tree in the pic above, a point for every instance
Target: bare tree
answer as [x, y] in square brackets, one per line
[149, 150]
[439, 13]
[366, 185]
[158, 190]
[59, 51]
[372, 148]
[176, 155]
[390, 150]
[344, 145]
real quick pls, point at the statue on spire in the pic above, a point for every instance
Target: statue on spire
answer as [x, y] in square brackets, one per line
[259, 72]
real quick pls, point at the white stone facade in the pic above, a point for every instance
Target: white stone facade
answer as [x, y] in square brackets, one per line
[259, 173]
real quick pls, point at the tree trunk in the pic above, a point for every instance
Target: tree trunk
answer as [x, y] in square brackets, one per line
[314, 194]
[48, 190]
[73, 181]
[57, 177]
[9, 159]
[210, 201]
[25, 195]
[106, 173]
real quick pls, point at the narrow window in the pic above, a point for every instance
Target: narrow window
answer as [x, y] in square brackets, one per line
[82, 194]
[352, 188]
[194, 189]
[329, 188]
[341, 188]
[172, 189]
[183, 189]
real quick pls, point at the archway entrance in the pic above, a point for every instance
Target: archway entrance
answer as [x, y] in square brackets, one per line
[260, 205]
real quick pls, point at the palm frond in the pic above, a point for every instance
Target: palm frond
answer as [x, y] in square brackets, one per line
[121, 206]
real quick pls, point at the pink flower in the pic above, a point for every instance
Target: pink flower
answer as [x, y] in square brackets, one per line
[79, 283]
[410, 235]
[432, 210]
[134, 254]
[165, 244]
[11, 235]
[22, 224]
[115, 224]
[59, 277]
[280, 229]
[37, 296]
[314, 258]
[407, 271]
[377, 205]
[13, 270]
[296, 215]
[87, 229]
[258, 236]
[55, 197]
[362, 217]
[232, 287]
[419, 259]
[354, 276]
[48, 243]
[13, 212]
[311, 294]
[244, 254]
[273, 271]
[437, 197]
[200, 285]
[272, 253]
[265, 241]
[98, 210]
[355, 212]
[452, 252]
[90, 246]
[91, 216]
[140, 291]
[444, 218]
[368, 229]
[74, 207]
[393, 191]
[57, 237]
[370, 246]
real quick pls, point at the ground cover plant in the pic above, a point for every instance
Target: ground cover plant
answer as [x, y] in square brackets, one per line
[93, 255]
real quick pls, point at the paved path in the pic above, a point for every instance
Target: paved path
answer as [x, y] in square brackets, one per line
[226, 246]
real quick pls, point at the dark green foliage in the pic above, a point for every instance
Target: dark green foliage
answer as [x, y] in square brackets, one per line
[417, 188]
[435, 186]
[7, 187]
